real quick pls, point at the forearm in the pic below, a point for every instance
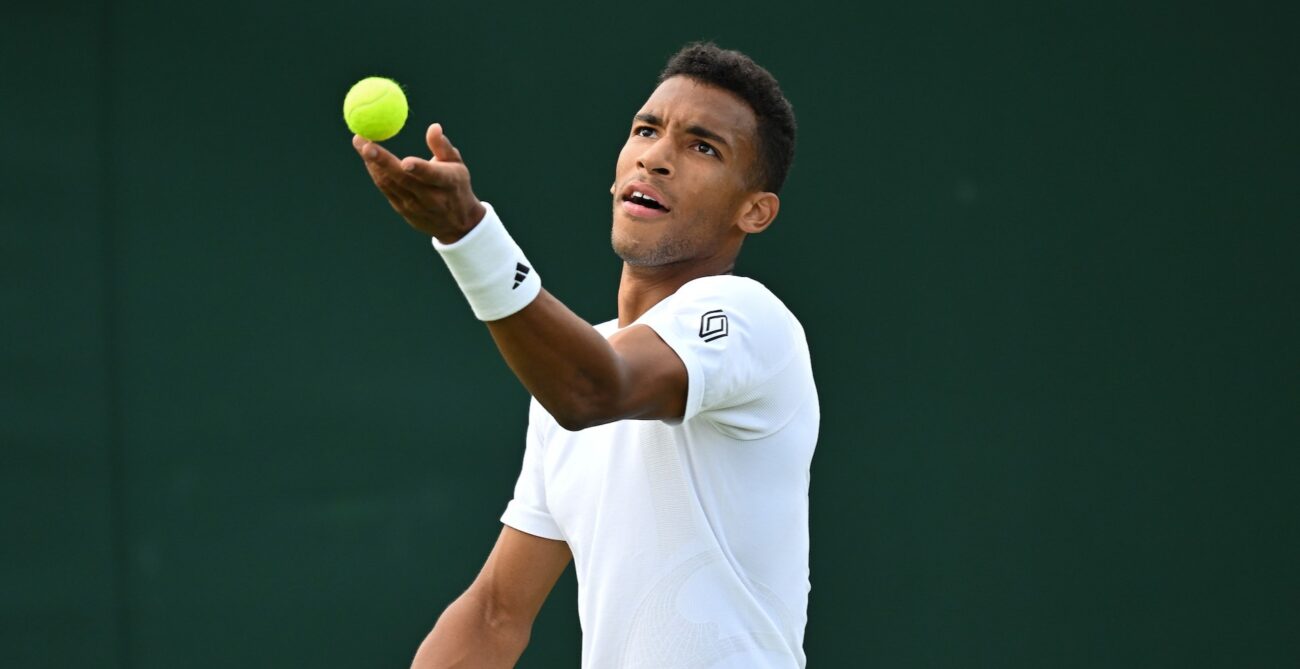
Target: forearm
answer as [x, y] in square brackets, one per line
[570, 368]
[470, 635]
[581, 378]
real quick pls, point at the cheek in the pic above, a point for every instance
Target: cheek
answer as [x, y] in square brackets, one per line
[715, 191]
[625, 158]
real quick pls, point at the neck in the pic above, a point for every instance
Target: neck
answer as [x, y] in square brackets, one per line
[641, 288]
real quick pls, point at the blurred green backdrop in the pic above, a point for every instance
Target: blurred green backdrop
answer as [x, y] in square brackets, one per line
[1046, 255]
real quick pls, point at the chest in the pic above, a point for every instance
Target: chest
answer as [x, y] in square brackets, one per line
[626, 480]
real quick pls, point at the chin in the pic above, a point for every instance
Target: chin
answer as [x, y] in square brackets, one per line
[643, 253]
[626, 249]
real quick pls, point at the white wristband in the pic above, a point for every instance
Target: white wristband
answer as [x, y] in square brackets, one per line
[491, 269]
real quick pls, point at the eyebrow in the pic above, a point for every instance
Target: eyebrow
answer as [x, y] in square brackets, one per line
[697, 130]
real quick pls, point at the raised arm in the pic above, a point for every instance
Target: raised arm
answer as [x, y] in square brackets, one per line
[489, 626]
[584, 380]
[579, 377]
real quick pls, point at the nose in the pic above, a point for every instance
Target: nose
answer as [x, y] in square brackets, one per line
[656, 159]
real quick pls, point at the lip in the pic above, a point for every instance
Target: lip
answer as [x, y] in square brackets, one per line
[642, 211]
[646, 189]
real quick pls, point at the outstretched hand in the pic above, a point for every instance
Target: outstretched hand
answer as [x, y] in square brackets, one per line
[434, 195]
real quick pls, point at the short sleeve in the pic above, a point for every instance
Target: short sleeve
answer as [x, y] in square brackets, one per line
[528, 511]
[735, 338]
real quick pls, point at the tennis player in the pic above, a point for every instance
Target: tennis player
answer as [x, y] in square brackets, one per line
[668, 450]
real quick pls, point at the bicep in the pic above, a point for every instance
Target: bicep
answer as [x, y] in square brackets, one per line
[520, 572]
[655, 378]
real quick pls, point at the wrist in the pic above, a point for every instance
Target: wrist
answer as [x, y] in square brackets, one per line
[490, 268]
[472, 218]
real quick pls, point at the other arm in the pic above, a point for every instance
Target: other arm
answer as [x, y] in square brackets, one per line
[488, 626]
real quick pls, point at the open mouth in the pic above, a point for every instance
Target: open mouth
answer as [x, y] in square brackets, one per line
[639, 198]
[644, 202]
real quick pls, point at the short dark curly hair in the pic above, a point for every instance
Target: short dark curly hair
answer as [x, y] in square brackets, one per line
[735, 72]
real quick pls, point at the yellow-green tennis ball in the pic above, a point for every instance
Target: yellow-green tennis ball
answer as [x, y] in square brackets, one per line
[375, 108]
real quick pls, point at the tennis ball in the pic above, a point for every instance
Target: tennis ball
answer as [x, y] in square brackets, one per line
[375, 108]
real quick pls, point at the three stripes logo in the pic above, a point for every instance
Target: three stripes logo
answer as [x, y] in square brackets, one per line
[521, 273]
[713, 325]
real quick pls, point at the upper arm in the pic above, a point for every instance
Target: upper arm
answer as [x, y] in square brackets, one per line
[519, 574]
[732, 345]
[655, 378]
[715, 341]
[717, 346]
[581, 378]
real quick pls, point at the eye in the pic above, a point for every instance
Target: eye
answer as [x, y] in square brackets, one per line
[706, 148]
[643, 131]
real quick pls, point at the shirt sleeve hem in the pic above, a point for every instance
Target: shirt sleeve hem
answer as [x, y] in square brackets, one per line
[531, 521]
[694, 375]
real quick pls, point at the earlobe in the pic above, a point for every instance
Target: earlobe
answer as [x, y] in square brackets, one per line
[759, 213]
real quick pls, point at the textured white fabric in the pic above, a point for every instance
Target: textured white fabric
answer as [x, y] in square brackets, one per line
[690, 537]
[490, 269]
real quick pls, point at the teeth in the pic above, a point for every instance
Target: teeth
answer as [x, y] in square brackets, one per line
[637, 197]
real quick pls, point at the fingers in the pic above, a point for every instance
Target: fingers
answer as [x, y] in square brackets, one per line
[374, 154]
[385, 169]
[410, 173]
[381, 163]
[434, 195]
[427, 171]
[440, 145]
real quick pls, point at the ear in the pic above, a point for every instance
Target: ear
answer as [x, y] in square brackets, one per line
[758, 212]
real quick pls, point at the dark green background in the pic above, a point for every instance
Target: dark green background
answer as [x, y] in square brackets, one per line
[1046, 256]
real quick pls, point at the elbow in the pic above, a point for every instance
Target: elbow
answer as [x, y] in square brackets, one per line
[577, 417]
[585, 408]
[588, 400]
[497, 619]
[570, 422]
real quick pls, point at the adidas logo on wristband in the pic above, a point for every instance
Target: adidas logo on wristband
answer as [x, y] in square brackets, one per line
[521, 273]
[480, 263]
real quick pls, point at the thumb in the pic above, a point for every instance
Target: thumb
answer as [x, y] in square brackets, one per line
[440, 145]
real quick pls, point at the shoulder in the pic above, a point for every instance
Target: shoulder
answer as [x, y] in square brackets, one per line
[731, 315]
[743, 349]
[733, 297]
[728, 301]
[732, 288]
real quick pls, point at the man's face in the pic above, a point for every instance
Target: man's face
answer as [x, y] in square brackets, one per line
[691, 151]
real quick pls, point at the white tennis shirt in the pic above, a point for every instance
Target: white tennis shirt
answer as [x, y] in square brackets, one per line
[690, 538]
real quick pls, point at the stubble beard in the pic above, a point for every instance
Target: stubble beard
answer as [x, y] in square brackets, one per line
[664, 251]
